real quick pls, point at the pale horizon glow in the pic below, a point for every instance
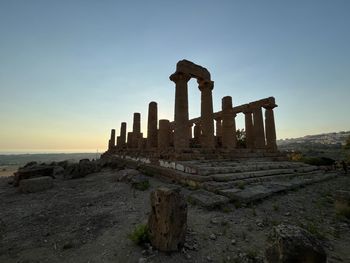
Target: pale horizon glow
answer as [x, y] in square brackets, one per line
[70, 71]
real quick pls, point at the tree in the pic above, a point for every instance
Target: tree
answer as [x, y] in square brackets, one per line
[241, 138]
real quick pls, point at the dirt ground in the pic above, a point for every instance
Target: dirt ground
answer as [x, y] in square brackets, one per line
[7, 170]
[89, 219]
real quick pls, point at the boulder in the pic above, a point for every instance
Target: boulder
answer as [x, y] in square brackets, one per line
[292, 244]
[126, 175]
[34, 185]
[81, 169]
[32, 171]
[342, 203]
[167, 222]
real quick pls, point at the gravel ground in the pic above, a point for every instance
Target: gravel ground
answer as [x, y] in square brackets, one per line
[89, 219]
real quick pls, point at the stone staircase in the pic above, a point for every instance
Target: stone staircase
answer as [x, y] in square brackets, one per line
[245, 181]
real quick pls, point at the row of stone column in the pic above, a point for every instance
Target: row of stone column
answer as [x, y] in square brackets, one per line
[180, 135]
[135, 140]
[257, 136]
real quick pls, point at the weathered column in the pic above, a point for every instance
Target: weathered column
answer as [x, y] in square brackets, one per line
[190, 125]
[152, 131]
[259, 133]
[270, 129]
[249, 129]
[197, 132]
[122, 135]
[111, 143]
[181, 140]
[136, 128]
[207, 121]
[218, 127]
[229, 139]
[164, 135]
[130, 140]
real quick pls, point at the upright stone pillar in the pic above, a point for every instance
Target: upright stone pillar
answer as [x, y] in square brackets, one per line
[229, 139]
[181, 139]
[190, 125]
[136, 128]
[197, 132]
[164, 135]
[207, 121]
[122, 136]
[249, 128]
[130, 140]
[259, 133]
[152, 131]
[218, 124]
[111, 144]
[270, 129]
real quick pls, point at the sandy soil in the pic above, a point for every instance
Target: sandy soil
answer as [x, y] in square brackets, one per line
[7, 170]
[89, 219]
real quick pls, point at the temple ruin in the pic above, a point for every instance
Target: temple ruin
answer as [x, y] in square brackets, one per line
[173, 139]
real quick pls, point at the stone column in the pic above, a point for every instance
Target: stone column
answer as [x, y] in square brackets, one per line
[136, 128]
[207, 121]
[190, 125]
[122, 135]
[197, 132]
[249, 129]
[164, 135]
[259, 133]
[152, 132]
[112, 140]
[130, 140]
[218, 127]
[181, 140]
[229, 139]
[270, 129]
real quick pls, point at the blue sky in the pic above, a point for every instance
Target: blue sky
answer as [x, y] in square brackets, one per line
[72, 70]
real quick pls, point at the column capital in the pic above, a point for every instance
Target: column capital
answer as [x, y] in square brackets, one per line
[270, 106]
[205, 84]
[180, 76]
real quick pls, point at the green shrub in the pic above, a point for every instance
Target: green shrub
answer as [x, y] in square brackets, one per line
[140, 234]
[241, 185]
[342, 210]
[319, 161]
[142, 186]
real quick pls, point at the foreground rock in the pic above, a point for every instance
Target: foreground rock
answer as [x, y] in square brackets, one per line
[342, 203]
[32, 171]
[293, 244]
[34, 185]
[81, 169]
[168, 219]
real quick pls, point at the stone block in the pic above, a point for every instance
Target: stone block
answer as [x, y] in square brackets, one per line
[37, 184]
[168, 219]
[294, 244]
[208, 199]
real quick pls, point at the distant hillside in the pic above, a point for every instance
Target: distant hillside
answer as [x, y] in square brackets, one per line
[20, 159]
[326, 145]
[334, 138]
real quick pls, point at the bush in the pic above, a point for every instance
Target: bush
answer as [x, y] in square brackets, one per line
[140, 234]
[142, 186]
[318, 161]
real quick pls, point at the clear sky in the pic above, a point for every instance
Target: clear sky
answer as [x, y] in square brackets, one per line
[71, 70]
